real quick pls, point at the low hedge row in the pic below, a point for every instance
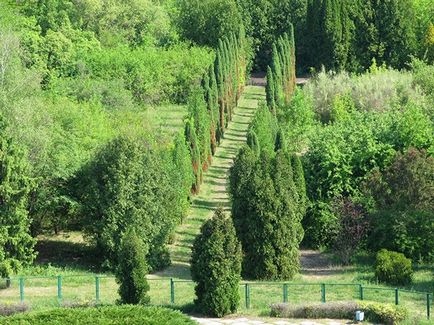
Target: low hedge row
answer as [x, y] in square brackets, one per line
[11, 309]
[374, 312]
[126, 314]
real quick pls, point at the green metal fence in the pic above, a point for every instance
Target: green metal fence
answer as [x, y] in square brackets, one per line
[49, 291]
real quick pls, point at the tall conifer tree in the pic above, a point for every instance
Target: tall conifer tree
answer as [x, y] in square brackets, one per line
[270, 92]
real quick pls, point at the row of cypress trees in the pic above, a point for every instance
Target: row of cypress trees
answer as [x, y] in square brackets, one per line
[281, 73]
[211, 106]
[267, 184]
[330, 33]
[268, 195]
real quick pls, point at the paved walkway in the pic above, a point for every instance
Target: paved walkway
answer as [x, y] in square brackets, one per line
[249, 321]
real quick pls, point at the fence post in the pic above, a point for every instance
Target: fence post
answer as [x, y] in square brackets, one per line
[172, 291]
[22, 289]
[59, 287]
[361, 291]
[285, 292]
[428, 298]
[247, 292]
[396, 296]
[8, 282]
[323, 293]
[97, 297]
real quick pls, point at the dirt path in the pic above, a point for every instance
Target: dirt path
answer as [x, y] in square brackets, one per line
[213, 191]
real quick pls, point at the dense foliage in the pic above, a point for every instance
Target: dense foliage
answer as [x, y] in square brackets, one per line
[16, 244]
[212, 104]
[393, 268]
[131, 270]
[132, 315]
[132, 183]
[349, 34]
[208, 21]
[216, 267]
[338, 34]
[281, 74]
[362, 128]
[77, 82]
[267, 208]
[88, 140]
[402, 217]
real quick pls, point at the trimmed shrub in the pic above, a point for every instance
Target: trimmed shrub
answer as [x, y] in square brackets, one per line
[11, 309]
[131, 315]
[132, 269]
[393, 268]
[332, 310]
[383, 313]
[374, 312]
[216, 267]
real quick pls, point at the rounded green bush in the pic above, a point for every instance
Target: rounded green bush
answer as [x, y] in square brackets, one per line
[393, 268]
[125, 314]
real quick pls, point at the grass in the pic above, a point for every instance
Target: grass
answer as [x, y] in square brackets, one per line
[168, 118]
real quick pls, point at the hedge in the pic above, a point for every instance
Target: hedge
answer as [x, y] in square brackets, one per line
[126, 314]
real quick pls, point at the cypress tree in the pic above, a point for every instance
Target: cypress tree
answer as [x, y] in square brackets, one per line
[182, 173]
[300, 183]
[277, 76]
[240, 175]
[284, 64]
[131, 270]
[16, 243]
[264, 212]
[215, 104]
[198, 111]
[227, 83]
[280, 143]
[216, 267]
[190, 135]
[288, 237]
[206, 90]
[252, 142]
[209, 98]
[219, 70]
[243, 58]
[291, 53]
[269, 90]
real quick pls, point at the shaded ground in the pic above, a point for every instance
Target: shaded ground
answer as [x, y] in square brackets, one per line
[213, 190]
[66, 250]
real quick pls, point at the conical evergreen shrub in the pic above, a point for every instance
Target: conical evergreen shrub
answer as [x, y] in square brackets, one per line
[216, 267]
[132, 269]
